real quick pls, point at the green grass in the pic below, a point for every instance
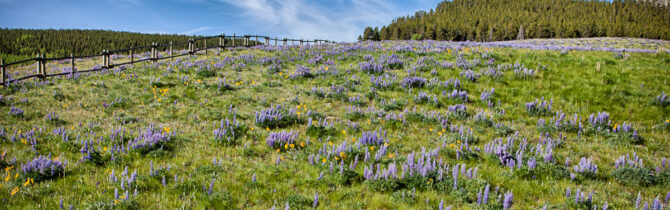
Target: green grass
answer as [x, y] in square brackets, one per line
[578, 82]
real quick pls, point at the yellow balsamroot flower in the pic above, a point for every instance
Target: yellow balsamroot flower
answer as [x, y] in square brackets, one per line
[280, 73]
[292, 145]
[278, 150]
[167, 129]
[8, 168]
[431, 130]
[391, 155]
[285, 146]
[439, 133]
[324, 160]
[342, 155]
[326, 68]
[372, 148]
[336, 158]
[15, 190]
[267, 128]
[344, 132]
[302, 144]
[353, 139]
[26, 183]
[458, 141]
[104, 149]
[330, 143]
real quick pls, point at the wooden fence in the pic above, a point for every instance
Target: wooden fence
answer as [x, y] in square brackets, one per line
[105, 54]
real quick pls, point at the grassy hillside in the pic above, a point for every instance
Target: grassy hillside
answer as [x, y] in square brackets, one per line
[379, 125]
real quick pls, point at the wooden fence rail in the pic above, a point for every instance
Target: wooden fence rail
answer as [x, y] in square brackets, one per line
[41, 59]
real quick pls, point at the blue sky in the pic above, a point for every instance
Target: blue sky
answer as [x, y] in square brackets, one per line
[338, 20]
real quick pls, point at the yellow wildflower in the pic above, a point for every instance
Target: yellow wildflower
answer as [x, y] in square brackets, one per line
[372, 148]
[15, 190]
[324, 160]
[292, 145]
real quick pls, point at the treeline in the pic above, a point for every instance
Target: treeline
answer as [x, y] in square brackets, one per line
[80, 42]
[494, 20]
[24, 43]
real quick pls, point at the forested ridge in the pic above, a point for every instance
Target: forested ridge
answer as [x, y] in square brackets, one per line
[29, 42]
[494, 20]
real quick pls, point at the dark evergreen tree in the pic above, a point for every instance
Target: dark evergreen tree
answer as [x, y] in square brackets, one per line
[492, 20]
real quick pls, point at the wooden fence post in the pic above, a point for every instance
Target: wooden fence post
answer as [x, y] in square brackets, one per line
[275, 41]
[233, 40]
[4, 78]
[102, 54]
[222, 41]
[300, 42]
[132, 56]
[40, 65]
[153, 52]
[205, 40]
[256, 41]
[72, 71]
[170, 53]
[190, 48]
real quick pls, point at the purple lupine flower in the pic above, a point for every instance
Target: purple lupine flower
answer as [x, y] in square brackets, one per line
[605, 206]
[377, 137]
[211, 185]
[637, 201]
[413, 82]
[316, 200]
[507, 202]
[486, 194]
[279, 140]
[657, 205]
[15, 111]
[43, 167]
[61, 204]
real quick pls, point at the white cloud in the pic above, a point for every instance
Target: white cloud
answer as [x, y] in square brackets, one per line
[307, 19]
[196, 30]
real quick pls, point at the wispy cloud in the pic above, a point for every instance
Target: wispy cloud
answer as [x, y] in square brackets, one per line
[196, 30]
[342, 21]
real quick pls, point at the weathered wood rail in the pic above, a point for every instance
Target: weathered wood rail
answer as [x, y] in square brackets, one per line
[191, 44]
